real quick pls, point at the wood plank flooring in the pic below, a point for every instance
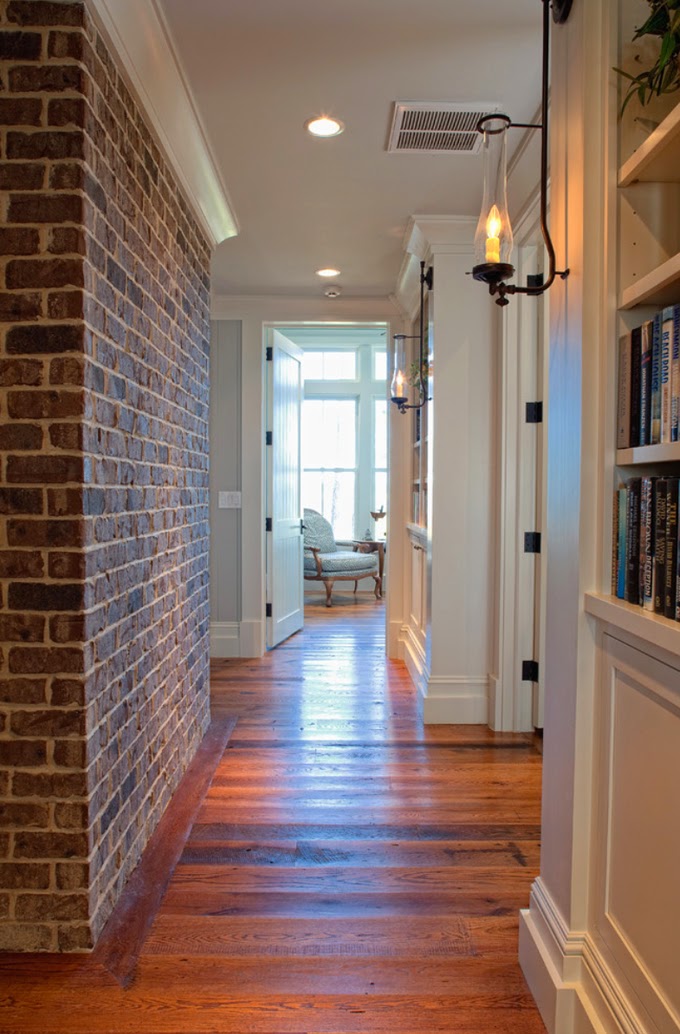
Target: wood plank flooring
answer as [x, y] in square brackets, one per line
[348, 870]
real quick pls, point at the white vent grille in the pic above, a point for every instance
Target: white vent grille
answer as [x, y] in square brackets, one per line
[437, 128]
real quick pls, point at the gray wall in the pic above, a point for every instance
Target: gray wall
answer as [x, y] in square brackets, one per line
[225, 469]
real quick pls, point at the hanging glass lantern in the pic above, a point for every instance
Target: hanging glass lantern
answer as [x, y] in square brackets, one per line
[399, 386]
[493, 239]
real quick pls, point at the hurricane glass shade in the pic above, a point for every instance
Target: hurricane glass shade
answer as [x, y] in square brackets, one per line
[399, 385]
[493, 239]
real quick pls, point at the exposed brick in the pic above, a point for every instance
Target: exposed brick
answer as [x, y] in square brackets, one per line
[19, 240]
[45, 533]
[20, 46]
[73, 815]
[22, 628]
[51, 906]
[66, 565]
[37, 405]
[54, 144]
[23, 753]
[70, 370]
[44, 339]
[70, 754]
[68, 240]
[67, 436]
[67, 628]
[15, 876]
[44, 12]
[25, 937]
[50, 845]
[21, 176]
[44, 79]
[22, 563]
[74, 937]
[22, 815]
[20, 371]
[53, 724]
[39, 596]
[65, 305]
[34, 660]
[67, 111]
[44, 469]
[20, 307]
[60, 785]
[20, 111]
[23, 691]
[45, 208]
[20, 436]
[72, 875]
[56, 272]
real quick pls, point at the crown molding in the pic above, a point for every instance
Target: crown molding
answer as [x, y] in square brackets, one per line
[296, 309]
[137, 32]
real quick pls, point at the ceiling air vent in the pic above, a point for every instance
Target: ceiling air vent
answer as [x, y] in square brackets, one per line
[421, 127]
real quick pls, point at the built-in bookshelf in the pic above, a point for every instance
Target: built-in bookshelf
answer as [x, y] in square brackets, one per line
[649, 287]
[420, 442]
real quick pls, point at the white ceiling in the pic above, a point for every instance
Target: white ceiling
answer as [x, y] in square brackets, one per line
[258, 69]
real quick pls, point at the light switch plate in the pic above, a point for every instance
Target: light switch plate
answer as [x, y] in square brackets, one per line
[228, 500]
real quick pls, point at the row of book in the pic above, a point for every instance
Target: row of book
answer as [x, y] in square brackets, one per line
[648, 411]
[645, 553]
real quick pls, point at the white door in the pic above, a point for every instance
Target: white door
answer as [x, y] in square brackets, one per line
[285, 597]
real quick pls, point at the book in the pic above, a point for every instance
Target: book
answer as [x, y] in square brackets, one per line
[635, 355]
[675, 376]
[660, 546]
[647, 497]
[621, 544]
[666, 318]
[645, 382]
[655, 418]
[623, 408]
[632, 554]
[671, 545]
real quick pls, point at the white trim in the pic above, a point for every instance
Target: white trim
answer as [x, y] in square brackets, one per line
[237, 639]
[413, 656]
[137, 32]
[456, 699]
[576, 990]
[273, 310]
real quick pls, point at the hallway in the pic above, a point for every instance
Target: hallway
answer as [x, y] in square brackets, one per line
[347, 871]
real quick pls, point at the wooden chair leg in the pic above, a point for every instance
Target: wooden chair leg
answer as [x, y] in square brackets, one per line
[328, 582]
[378, 586]
[356, 583]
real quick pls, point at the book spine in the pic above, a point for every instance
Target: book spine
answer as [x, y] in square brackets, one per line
[666, 336]
[656, 382]
[647, 494]
[645, 382]
[675, 376]
[615, 542]
[635, 356]
[623, 409]
[660, 547]
[671, 545]
[632, 587]
[621, 545]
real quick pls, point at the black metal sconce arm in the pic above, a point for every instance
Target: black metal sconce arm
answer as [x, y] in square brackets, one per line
[426, 279]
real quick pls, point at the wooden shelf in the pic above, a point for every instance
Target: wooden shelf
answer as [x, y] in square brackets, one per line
[645, 454]
[660, 287]
[658, 159]
[628, 617]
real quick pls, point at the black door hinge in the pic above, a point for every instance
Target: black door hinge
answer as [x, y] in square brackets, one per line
[269, 438]
[529, 671]
[535, 280]
[269, 353]
[267, 524]
[534, 413]
[268, 610]
[532, 542]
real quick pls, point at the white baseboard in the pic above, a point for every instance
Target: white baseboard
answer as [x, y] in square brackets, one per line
[575, 988]
[413, 655]
[236, 639]
[456, 700]
[394, 646]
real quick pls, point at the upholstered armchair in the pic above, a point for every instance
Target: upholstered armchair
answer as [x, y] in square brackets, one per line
[325, 562]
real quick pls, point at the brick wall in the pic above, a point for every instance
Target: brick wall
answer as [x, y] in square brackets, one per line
[103, 486]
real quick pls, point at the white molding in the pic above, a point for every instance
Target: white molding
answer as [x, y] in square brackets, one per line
[575, 988]
[236, 639]
[456, 699]
[413, 656]
[297, 309]
[137, 32]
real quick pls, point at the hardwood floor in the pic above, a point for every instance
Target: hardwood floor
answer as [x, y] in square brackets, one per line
[348, 870]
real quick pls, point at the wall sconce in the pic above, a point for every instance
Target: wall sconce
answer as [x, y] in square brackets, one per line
[400, 386]
[493, 238]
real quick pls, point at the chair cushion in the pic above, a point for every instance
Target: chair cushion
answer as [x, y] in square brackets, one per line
[343, 562]
[318, 532]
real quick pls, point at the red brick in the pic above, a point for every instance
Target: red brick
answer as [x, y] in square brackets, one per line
[34, 660]
[55, 724]
[46, 469]
[73, 815]
[65, 502]
[51, 906]
[23, 691]
[20, 46]
[23, 753]
[22, 814]
[18, 240]
[45, 79]
[66, 436]
[74, 937]
[15, 876]
[45, 208]
[72, 875]
[20, 111]
[22, 563]
[22, 628]
[20, 436]
[37, 405]
[15, 307]
[67, 628]
[20, 371]
[32, 273]
[49, 785]
[66, 565]
[67, 240]
[45, 533]
[65, 305]
[67, 111]
[44, 12]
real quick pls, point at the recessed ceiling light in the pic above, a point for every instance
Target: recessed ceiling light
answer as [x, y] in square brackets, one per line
[323, 125]
[328, 272]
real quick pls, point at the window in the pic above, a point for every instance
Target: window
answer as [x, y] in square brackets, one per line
[344, 437]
